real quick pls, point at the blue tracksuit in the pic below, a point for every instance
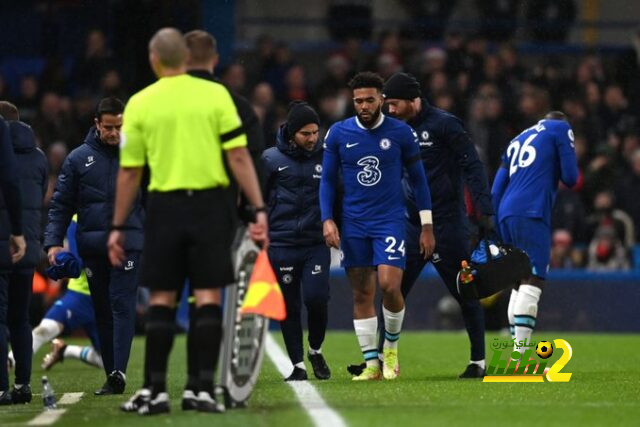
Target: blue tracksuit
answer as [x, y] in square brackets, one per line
[525, 187]
[86, 186]
[297, 251]
[450, 160]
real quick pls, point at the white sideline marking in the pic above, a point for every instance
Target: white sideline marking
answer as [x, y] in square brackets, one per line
[70, 398]
[321, 414]
[49, 417]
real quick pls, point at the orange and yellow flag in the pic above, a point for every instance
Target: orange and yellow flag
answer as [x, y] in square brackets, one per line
[264, 296]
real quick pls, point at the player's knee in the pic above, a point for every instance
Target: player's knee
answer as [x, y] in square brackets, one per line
[48, 329]
[362, 296]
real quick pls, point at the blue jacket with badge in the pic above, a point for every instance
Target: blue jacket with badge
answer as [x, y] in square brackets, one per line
[86, 186]
[450, 159]
[292, 192]
[33, 170]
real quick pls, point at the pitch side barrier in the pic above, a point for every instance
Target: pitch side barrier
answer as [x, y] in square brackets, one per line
[573, 300]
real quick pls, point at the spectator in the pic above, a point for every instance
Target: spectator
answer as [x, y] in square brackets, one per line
[627, 192]
[606, 215]
[606, 252]
[94, 64]
[562, 254]
[550, 20]
[569, 215]
[235, 78]
[53, 123]
[498, 19]
[28, 99]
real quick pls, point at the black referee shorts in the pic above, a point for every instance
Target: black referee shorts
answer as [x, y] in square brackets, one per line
[188, 235]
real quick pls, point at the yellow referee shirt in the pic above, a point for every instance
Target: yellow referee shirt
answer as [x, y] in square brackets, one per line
[179, 126]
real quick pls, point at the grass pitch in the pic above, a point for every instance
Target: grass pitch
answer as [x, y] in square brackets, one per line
[604, 389]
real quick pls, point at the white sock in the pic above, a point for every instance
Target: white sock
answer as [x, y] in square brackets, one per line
[525, 313]
[312, 351]
[18, 386]
[392, 327]
[300, 365]
[366, 332]
[510, 315]
[478, 362]
[43, 333]
[86, 354]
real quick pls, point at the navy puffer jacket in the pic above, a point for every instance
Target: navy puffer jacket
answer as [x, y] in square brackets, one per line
[292, 187]
[86, 186]
[33, 169]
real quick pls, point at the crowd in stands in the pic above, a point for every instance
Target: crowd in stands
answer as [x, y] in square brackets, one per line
[490, 85]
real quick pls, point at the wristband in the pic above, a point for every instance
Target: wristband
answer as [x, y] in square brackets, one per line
[260, 209]
[425, 217]
[113, 227]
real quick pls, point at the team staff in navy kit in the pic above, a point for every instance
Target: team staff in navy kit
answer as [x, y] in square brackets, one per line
[87, 186]
[297, 250]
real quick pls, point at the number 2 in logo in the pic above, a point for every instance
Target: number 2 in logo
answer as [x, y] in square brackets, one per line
[370, 174]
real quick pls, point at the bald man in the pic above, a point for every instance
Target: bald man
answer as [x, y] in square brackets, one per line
[182, 127]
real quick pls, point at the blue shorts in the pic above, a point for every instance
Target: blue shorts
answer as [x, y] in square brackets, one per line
[373, 243]
[531, 235]
[75, 310]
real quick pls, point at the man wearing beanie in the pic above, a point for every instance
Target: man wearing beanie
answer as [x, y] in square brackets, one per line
[450, 161]
[297, 251]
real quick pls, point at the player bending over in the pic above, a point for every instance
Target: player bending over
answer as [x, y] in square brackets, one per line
[523, 194]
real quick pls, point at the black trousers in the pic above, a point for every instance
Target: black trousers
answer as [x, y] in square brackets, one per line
[15, 295]
[303, 274]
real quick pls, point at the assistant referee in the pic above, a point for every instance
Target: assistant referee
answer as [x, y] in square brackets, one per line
[181, 126]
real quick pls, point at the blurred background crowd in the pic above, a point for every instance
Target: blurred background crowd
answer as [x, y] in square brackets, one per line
[499, 74]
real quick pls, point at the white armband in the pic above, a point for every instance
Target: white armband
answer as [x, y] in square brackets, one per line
[425, 217]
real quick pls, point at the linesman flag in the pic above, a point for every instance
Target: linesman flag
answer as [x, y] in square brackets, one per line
[264, 296]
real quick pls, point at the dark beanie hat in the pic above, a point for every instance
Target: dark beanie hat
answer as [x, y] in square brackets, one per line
[300, 115]
[401, 86]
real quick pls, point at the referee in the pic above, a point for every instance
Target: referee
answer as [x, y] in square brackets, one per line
[181, 126]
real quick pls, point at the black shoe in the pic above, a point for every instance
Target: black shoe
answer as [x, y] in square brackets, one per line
[159, 405]
[319, 365]
[472, 371]
[105, 390]
[189, 400]
[135, 402]
[22, 394]
[206, 403]
[298, 374]
[116, 382]
[5, 398]
[356, 370]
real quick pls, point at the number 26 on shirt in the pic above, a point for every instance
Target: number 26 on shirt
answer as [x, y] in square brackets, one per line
[521, 156]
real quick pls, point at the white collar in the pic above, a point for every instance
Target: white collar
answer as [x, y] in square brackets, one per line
[377, 125]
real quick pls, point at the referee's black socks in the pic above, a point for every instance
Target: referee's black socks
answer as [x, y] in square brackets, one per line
[160, 332]
[208, 335]
[193, 368]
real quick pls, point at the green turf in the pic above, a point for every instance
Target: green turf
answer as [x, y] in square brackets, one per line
[604, 389]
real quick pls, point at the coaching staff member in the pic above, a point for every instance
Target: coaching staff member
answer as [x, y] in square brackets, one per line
[450, 159]
[181, 126]
[86, 186]
[33, 173]
[12, 251]
[297, 250]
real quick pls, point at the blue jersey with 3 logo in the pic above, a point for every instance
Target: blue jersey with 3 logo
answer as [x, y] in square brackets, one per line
[373, 207]
[371, 161]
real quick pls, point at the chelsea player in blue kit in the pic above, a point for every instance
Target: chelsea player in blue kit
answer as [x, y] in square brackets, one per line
[371, 151]
[523, 194]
